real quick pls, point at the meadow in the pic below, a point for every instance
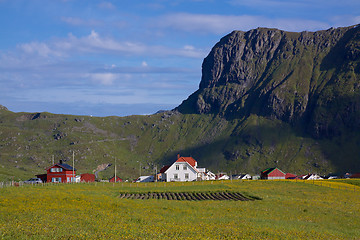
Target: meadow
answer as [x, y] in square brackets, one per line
[283, 210]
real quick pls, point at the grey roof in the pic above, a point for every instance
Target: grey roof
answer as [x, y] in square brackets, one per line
[66, 166]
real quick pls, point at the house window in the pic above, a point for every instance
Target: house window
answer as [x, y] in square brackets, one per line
[184, 167]
[55, 180]
[175, 176]
[186, 176]
[177, 167]
[56, 170]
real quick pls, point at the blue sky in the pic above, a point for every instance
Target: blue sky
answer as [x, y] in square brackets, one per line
[121, 58]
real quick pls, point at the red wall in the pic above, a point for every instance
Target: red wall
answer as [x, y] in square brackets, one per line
[87, 177]
[276, 173]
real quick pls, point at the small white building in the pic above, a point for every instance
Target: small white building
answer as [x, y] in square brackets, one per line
[312, 177]
[210, 176]
[222, 177]
[242, 176]
[145, 179]
[183, 170]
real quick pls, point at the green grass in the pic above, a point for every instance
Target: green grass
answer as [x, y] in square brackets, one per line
[288, 210]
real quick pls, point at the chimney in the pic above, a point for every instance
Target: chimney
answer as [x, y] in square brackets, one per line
[178, 156]
[61, 161]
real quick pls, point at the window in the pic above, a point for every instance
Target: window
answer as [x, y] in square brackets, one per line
[175, 176]
[177, 167]
[186, 176]
[55, 179]
[56, 170]
[184, 167]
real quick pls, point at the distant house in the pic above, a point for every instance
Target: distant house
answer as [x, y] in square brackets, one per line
[312, 177]
[87, 177]
[272, 173]
[355, 175]
[290, 176]
[210, 176]
[244, 177]
[43, 177]
[255, 177]
[61, 173]
[117, 179]
[145, 179]
[184, 169]
[162, 174]
[222, 176]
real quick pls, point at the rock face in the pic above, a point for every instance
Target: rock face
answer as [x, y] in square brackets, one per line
[3, 108]
[308, 79]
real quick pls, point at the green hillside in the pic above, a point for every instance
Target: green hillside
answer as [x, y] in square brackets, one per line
[28, 142]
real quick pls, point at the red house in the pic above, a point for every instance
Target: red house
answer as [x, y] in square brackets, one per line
[117, 179]
[61, 172]
[87, 177]
[272, 173]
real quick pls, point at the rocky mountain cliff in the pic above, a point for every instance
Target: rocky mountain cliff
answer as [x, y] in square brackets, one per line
[309, 79]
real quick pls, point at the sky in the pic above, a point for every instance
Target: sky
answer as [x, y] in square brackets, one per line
[120, 58]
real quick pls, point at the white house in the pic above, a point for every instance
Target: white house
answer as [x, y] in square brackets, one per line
[312, 177]
[245, 176]
[210, 176]
[222, 177]
[184, 169]
[145, 179]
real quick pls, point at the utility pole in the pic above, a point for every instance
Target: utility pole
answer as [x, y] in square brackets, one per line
[73, 180]
[52, 159]
[140, 169]
[156, 174]
[115, 170]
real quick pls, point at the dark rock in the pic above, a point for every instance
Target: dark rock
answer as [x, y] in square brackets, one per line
[308, 79]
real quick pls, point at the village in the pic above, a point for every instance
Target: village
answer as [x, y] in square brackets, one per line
[184, 169]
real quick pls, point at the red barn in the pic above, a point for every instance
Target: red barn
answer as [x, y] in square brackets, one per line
[117, 179]
[87, 177]
[272, 173]
[61, 172]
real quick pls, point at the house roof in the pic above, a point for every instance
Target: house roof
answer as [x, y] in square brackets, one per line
[62, 165]
[189, 160]
[164, 168]
[269, 170]
[290, 175]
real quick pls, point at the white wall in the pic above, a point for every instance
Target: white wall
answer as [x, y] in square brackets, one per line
[192, 174]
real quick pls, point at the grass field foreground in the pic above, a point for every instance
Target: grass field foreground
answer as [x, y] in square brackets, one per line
[287, 210]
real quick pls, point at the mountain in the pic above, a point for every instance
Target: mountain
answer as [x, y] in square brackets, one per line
[266, 98]
[307, 79]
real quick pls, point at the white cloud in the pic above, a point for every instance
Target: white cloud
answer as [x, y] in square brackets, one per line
[103, 78]
[94, 43]
[40, 49]
[144, 64]
[106, 5]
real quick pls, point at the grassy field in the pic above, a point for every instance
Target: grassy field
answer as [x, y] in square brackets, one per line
[286, 210]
